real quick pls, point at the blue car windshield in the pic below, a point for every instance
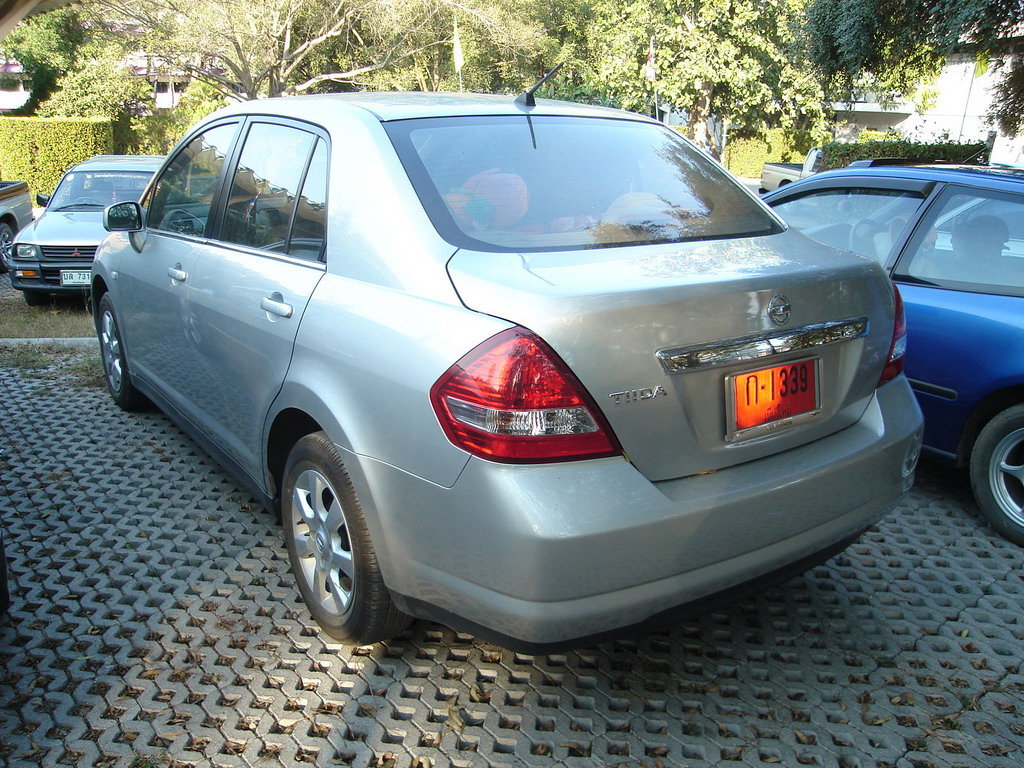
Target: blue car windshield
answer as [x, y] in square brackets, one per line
[513, 183]
[98, 189]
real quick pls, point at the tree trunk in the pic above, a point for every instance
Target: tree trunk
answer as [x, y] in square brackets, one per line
[700, 111]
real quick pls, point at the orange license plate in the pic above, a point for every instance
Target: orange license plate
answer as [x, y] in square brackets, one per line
[770, 394]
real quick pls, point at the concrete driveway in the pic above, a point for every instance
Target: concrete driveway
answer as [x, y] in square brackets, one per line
[155, 622]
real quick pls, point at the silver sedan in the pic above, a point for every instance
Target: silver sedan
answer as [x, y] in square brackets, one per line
[539, 371]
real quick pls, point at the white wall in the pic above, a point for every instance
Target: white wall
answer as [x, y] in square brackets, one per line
[962, 101]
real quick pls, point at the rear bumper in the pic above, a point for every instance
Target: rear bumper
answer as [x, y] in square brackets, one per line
[544, 554]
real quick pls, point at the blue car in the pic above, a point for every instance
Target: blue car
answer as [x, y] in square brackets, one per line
[952, 237]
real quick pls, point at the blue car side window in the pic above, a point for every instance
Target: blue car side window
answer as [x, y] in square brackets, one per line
[973, 240]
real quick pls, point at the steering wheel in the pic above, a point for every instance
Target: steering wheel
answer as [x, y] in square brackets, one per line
[184, 222]
[862, 237]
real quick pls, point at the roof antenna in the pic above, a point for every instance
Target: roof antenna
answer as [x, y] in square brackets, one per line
[526, 97]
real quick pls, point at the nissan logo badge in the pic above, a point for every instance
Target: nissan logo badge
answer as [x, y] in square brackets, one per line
[779, 309]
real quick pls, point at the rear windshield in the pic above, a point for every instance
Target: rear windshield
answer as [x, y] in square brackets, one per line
[518, 183]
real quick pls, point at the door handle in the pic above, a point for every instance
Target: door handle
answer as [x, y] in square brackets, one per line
[177, 274]
[273, 305]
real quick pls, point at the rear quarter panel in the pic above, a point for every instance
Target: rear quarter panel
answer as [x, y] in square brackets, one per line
[365, 359]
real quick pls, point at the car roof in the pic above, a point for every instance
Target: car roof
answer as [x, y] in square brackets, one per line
[405, 105]
[120, 163]
[992, 176]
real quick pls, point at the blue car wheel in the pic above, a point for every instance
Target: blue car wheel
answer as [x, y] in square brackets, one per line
[997, 473]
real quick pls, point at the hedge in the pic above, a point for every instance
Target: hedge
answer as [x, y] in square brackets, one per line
[745, 156]
[39, 149]
[870, 134]
[839, 154]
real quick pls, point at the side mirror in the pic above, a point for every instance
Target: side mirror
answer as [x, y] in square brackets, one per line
[123, 217]
[42, 200]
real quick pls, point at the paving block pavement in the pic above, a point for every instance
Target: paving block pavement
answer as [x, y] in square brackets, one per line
[155, 622]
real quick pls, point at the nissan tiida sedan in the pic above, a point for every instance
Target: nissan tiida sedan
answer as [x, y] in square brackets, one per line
[536, 371]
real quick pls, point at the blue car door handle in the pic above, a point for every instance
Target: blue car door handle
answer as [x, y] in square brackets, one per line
[177, 274]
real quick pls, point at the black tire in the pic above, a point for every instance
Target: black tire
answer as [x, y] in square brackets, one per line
[6, 244]
[115, 360]
[36, 298]
[330, 549]
[997, 473]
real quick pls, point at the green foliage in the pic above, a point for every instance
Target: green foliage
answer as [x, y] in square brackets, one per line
[102, 87]
[253, 48]
[737, 59]
[1008, 109]
[892, 46]
[157, 133]
[867, 134]
[47, 46]
[500, 39]
[840, 154]
[746, 156]
[39, 150]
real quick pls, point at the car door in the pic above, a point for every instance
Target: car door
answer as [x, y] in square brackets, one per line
[254, 279]
[961, 275]
[153, 282]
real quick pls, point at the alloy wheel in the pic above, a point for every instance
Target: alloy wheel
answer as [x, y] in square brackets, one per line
[322, 542]
[1006, 475]
[110, 346]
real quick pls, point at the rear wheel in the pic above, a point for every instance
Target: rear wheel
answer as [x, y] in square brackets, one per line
[997, 473]
[115, 360]
[331, 552]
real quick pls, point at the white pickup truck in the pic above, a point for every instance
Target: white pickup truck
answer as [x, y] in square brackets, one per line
[15, 213]
[775, 175]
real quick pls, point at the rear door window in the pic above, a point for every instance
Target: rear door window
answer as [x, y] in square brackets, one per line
[970, 239]
[519, 183]
[265, 186]
[309, 227]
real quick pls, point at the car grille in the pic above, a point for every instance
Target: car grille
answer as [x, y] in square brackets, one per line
[84, 252]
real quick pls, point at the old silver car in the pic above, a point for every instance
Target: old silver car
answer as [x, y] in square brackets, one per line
[538, 371]
[54, 253]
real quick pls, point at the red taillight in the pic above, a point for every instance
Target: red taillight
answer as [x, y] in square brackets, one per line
[898, 347]
[513, 400]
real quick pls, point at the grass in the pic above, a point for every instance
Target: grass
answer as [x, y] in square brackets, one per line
[63, 317]
[52, 362]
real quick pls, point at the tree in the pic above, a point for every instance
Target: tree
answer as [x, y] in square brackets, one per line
[895, 45]
[253, 48]
[47, 46]
[102, 86]
[500, 40]
[736, 59]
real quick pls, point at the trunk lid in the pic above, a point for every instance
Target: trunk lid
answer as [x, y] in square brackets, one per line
[704, 306]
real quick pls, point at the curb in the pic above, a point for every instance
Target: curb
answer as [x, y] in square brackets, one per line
[88, 341]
